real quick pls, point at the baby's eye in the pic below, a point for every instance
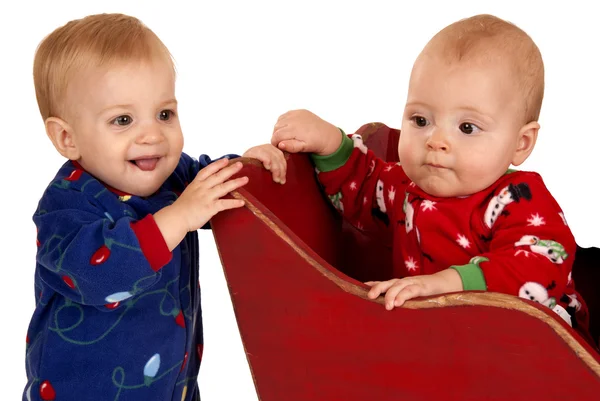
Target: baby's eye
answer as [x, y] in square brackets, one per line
[420, 121]
[468, 128]
[166, 115]
[122, 121]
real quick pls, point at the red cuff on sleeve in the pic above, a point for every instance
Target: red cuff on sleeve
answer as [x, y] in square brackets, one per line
[152, 242]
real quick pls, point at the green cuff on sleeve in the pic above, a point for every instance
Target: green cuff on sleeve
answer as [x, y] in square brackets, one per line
[338, 158]
[471, 276]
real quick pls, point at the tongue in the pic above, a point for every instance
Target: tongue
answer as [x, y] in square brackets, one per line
[146, 164]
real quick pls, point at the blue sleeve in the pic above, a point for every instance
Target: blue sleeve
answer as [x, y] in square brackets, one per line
[91, 257]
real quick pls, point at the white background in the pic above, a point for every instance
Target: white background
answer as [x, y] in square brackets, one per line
[243, 63]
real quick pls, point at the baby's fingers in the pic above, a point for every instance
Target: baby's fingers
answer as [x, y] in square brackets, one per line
[379, 287]
[409, 292]
[213, 168]
[278, 166]
[222, 175]
[281, 132]
[226, 204]
[220, 190]
[392, 293]
[292, 146]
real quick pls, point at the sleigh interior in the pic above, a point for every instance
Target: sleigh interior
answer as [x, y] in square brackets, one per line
[295, 269]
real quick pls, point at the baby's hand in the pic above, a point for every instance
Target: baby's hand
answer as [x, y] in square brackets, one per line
[302, 131]
[200, 201]
[399, 290]
[272, 158]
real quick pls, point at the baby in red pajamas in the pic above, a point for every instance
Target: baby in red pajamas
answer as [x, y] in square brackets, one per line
[461, 219]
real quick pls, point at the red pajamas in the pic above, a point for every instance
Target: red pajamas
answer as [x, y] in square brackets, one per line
[511, 237]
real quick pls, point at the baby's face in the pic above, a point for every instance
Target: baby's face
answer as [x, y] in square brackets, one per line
[460, 126]
[126, 126]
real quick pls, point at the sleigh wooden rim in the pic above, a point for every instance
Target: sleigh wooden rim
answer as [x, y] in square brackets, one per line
[246, 237]
[470, 298]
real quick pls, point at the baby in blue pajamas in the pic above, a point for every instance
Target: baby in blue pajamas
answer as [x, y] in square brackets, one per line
[117, 312]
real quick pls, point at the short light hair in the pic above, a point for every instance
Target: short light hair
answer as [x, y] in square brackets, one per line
[489, 38]
[99, 40]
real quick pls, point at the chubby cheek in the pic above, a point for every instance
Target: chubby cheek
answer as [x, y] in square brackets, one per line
[407, 151]
[480, 168]
[105, 153]
[176, 142]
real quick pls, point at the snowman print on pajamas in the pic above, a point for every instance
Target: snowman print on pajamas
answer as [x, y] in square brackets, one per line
[511, 193]
[538, 293]
[573, 306]
[379, 212]
[358, 143]
[552, 250]
[409, 213]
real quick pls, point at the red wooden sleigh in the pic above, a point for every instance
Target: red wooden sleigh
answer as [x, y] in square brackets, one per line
[295, 273]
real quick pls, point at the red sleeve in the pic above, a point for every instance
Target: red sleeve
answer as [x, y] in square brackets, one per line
[368, 191]
[152, 243]
[531, 247]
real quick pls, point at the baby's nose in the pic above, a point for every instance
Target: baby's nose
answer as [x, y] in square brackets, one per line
[150, 134]
[439, 140]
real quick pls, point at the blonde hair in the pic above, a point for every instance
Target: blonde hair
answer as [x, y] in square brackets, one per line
[489, 38]
[94, 41]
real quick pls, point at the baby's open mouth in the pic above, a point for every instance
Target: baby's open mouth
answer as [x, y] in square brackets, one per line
[146, 163]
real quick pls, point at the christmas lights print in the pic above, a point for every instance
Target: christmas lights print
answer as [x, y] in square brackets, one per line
[89, 298]
[151, 373]
[69, 332]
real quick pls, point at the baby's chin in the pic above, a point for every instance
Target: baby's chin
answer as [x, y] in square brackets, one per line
[441, 192]
[145, 184]
[144, 190]
[446, 189]
[442, 188]
[141, 189]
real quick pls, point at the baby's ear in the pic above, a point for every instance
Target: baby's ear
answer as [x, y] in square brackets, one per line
[525, 142]
[62, 136]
